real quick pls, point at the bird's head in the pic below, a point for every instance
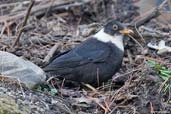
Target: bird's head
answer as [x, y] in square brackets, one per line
[114, 28]
[113, 32]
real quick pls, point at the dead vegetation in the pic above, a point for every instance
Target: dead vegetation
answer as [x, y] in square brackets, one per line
[54, 26]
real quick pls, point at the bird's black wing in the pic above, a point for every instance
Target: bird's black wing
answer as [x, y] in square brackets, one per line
[90, 51]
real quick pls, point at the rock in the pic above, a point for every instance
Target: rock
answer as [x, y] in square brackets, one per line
[17, 100]
[16, 68]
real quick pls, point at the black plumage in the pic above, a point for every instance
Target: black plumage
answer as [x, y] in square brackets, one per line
[93, 61]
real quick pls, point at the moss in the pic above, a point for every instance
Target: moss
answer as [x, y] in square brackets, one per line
[8, 106]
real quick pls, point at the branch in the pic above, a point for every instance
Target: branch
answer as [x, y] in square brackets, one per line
[153, 13]
[51, 53]
[24, 22]
[42, 9]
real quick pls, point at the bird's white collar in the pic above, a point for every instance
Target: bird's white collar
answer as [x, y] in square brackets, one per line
[117, 40]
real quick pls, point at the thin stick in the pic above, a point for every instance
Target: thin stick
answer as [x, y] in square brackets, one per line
[141, 36]
[162, 4]
[19, 82]
[142, 49]
[51, 53]
[41, 9]
[24, 22]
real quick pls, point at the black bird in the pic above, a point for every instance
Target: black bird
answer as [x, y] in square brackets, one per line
[95, 60]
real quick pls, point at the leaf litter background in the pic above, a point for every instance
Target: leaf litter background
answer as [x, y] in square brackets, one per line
[141, 86]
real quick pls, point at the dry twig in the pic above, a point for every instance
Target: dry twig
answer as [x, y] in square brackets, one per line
[152, 32]
[155, 12]
[51, 52]
[42, 9]
[24, 22]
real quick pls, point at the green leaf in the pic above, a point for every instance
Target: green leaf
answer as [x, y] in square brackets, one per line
[166, 71]
[151, 63]
[165, 74]
[166, 87]
[38, 88]
[53, 91]
[164, 78]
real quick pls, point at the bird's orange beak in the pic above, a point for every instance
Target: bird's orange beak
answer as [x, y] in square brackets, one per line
[126, 31]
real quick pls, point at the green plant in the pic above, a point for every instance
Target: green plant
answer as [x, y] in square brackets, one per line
[164, 72]
[42, 88]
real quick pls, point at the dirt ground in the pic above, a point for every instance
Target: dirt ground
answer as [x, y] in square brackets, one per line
[137, 88]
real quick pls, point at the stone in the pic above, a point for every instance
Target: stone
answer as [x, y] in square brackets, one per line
[19, 69]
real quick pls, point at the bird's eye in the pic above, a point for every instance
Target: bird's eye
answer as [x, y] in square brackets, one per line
[115, 27]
